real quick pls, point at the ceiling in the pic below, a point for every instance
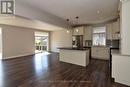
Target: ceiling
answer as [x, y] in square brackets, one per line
[89, 11]
[28, 23]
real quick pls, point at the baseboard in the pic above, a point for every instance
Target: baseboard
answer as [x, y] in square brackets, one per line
[53, 52]
[112, 80]
[121, 84]
[18, 56]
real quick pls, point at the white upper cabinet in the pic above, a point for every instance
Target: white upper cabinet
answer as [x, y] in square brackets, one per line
[88, 33]
[78, 31]
[116, 30]
[109, 31]
[113, 30]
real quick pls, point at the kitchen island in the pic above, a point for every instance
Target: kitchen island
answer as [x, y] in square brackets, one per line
[75, 56]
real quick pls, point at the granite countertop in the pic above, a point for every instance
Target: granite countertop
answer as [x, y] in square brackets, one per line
[71, 48]
[83, 48]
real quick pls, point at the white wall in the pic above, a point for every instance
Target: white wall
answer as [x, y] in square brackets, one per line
[0, 43]
[121, 69]
[125, 28]
[17, 41]
[60, 39]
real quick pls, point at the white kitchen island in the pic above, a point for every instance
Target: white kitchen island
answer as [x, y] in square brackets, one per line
[74, 56]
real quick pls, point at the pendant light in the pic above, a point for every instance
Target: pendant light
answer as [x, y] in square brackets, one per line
[68, 31]
[77, 30]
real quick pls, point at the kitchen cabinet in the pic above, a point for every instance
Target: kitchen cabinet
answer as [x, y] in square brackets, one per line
[112, 30]
[78, 31]
[109, 31]
[78, 57]
[116, 30]
[88, 33]
[100, 52]
[120, 68]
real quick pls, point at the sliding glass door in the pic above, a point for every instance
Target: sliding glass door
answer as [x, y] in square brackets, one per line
[41, 42]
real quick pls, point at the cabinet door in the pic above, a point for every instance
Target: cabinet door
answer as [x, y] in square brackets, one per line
[78, 31]
[88, 33]
[104, 53]
[75, 31]
[109, 31]
[100, 53]
[116, 30]
[81, 31]
[94, 52]
[112, 30]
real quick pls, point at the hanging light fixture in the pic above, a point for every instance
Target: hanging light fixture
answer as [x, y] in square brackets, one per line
[77, 30]
[68, 31]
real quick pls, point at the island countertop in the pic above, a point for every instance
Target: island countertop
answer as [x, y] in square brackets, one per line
[71, 48]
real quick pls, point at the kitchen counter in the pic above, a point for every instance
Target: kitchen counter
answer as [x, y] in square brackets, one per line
[71, 48]
[75, 56]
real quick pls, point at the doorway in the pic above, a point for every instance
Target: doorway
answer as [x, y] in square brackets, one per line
[41, 42]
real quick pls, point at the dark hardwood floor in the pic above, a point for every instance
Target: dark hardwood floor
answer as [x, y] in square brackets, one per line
[46, 71]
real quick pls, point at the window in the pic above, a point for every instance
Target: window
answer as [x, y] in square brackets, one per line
[99, 36]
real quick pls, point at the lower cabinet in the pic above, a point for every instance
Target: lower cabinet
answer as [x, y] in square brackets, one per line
[100, 52]
[121, 68]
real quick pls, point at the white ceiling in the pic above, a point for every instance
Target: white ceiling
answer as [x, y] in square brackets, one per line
[85, 9]
[28, 23]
